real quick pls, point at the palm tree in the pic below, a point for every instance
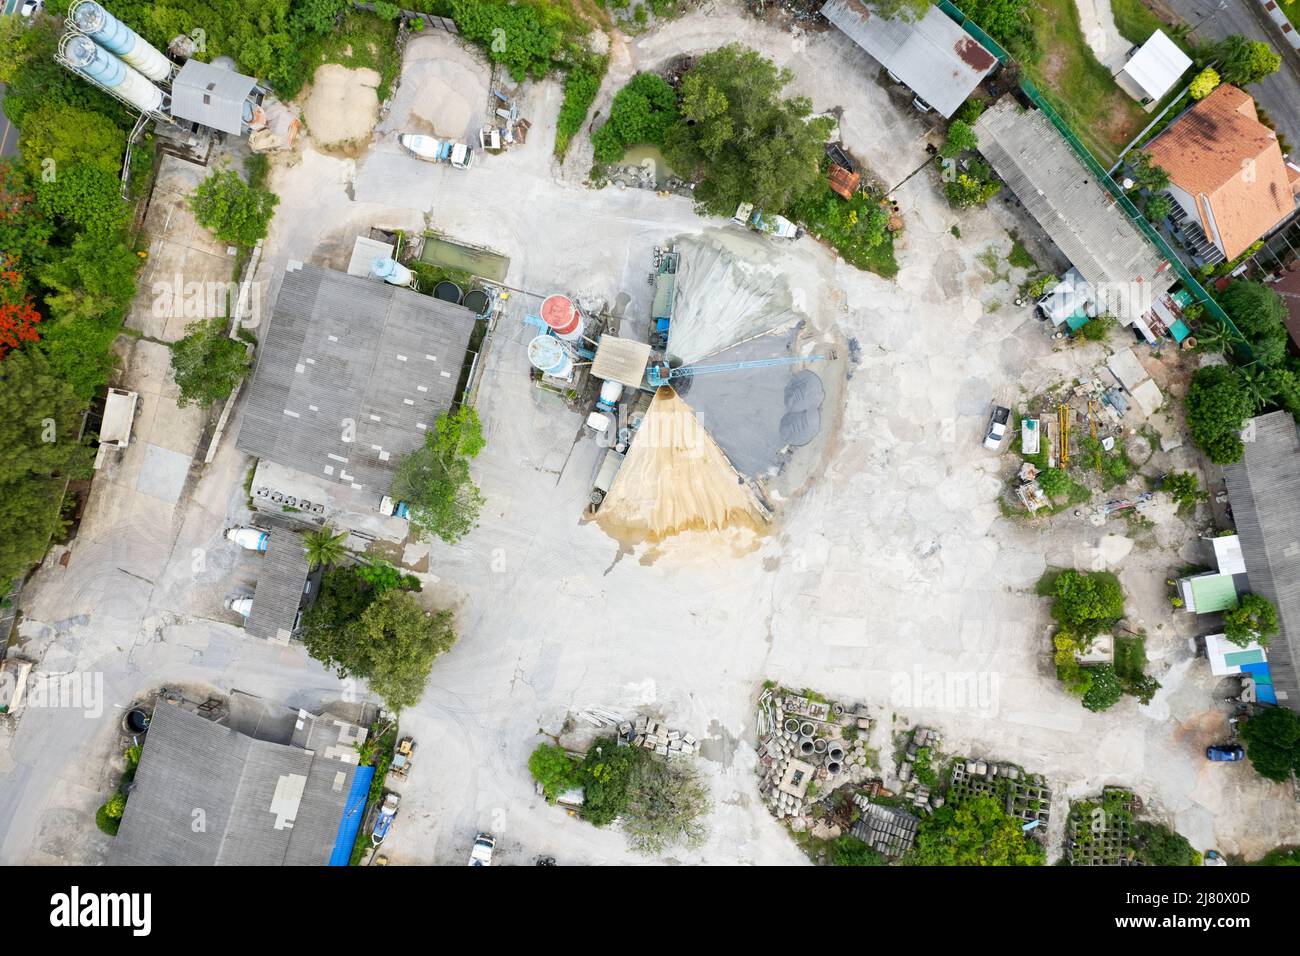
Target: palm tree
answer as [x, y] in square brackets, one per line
[324, 547]
[1213, 336]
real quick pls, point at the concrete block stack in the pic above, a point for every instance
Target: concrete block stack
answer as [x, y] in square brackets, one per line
[655, 735]
[794, 728]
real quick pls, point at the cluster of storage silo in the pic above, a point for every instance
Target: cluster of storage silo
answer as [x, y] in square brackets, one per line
[108, 53]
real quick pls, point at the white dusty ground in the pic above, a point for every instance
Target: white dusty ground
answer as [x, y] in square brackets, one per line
[1097, 21]
[892, 570]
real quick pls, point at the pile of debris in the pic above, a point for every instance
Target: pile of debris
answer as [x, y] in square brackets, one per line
[890, 831]
[643, 731]
[649, 733]
[916, 792]
[807, 744]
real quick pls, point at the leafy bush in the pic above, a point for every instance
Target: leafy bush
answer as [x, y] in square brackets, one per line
[1272, 740]
[1254, 619]
[1157, 845]
[107, 824]
[1217, 408]
[1087, 604]
[581, 85]
[961, 139]
[1054, 482]
[553, 768]
[856, 228]
[972, 188]
[977, 832]
[525, 38]
[1105, 689]
[850, 851]
[207, 363]
[642, 112]
[604, 776]
[1184, 488]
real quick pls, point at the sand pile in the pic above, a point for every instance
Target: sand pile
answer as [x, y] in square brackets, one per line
[342, 106]
[676, 479]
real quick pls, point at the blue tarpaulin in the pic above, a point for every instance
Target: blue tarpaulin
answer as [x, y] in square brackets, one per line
[353, 814]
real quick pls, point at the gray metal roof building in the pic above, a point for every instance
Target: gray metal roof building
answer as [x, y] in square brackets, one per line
[281, 585]
[1126, 271]
[350, 374]
[1264, 489]
[208, 95]
[259, 803]
[940, 61]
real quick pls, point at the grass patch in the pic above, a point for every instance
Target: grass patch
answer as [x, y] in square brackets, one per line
[365, 41]
[1019, 256]
[1130, 657]
[1079, 87]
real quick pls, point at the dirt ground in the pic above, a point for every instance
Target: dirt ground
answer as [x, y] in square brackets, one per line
[891, 572]
[342, 105]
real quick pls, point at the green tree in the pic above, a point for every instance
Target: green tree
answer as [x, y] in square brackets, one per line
[58, 135]
[1217, 409]
[1242, 61]
[40, 419]
[976, 832]
[581, 84]
[207, 364]
[739, 139]
[666, 803]
[1008, 22]
[1105, 689]
[391, 645]
[1146, 174]
[91, 281]
[643, 111]
[1204, 83]
[324, 547]
[1158, 207]
[434, 480]
[553, 768]
[1087, 604]
[1184, 488]
[1273, 743]
[604, 776]
[1253, 620]
[961, 139]
[231, 209]
[525, 38]
[1054, 482]
[1260, 314]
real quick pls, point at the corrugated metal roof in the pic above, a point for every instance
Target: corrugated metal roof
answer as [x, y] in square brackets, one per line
[1125, 272]
[280, 586]
[621, 360]
[934, 56]
[1157, 66]
[252, 810]
[1264, 489]
[206, 94]
[350, 373]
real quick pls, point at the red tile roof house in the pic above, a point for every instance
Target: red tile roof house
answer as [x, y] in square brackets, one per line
[1228, 180]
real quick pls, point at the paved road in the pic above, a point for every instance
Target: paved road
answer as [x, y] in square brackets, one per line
[8, 133]
[1279, 94]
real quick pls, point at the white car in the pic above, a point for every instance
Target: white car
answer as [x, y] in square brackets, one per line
[481, 853]
[30, 7]
[997, 427]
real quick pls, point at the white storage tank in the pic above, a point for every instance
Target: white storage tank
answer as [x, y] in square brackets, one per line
[547, 353]
[103, 68]
[391, 271]
[115, 36]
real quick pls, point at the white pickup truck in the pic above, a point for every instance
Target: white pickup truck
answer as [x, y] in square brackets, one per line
[480, 853]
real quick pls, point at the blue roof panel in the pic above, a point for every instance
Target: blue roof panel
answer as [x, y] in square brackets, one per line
[353, 814]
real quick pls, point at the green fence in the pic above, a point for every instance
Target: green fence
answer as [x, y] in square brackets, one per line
[971, 27]
[1190, 282]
